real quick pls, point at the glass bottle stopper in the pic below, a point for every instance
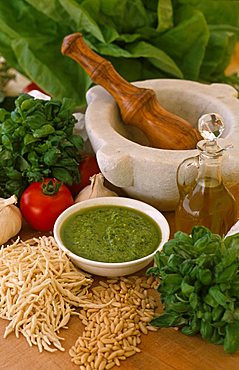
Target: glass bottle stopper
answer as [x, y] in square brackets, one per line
[211, 127]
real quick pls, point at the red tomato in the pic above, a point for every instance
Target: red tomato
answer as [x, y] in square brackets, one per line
[32, 86]
[87, 168]
[42, 202]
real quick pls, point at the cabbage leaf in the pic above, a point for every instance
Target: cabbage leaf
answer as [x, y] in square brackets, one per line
[143, 39]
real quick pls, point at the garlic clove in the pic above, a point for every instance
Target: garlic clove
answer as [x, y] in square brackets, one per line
[7, 202]
[10, 219]
[96, 189]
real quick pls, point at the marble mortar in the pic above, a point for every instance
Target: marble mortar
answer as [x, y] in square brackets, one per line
[149, 174]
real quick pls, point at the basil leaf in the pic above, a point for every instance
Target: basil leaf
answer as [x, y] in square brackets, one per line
[31, 148]
[231, 342]
[44, 131]
[63, 175]
[201, 293]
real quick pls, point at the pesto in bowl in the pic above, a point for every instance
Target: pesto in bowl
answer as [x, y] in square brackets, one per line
[126, 230]
[110, 233]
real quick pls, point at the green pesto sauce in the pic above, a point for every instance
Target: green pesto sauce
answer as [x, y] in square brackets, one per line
[110, 234]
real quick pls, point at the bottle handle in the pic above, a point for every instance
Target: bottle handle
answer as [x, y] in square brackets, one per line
[187, 173]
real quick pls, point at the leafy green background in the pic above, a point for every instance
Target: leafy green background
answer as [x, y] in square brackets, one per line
[190, 39]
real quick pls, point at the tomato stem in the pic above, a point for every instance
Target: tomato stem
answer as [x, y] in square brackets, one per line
[51, 187]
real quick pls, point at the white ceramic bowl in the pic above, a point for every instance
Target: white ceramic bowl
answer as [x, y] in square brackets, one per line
[112, 269]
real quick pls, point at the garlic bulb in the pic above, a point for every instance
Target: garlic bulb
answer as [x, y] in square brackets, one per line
[96, 189]
[10, 219]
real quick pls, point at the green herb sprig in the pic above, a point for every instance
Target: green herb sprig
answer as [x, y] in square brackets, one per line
[199, 286]
[37, 141]
[5, 76]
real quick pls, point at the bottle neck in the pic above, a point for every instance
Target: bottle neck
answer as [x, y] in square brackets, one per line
[209, 174]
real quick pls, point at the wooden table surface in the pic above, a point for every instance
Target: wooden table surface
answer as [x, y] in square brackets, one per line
[166, 349]
[162, 350]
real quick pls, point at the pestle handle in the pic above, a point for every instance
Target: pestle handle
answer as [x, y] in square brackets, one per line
[99, 69]
[103, 73]
[138, 106]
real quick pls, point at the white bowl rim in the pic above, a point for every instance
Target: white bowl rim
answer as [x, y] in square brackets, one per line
[120, 201]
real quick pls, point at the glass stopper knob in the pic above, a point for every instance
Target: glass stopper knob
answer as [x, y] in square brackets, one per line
[211, 126]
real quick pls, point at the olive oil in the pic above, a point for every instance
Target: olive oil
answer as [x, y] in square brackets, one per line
[207, 204]
[204, 199]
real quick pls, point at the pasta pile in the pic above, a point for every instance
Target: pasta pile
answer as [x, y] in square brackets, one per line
[39, 291]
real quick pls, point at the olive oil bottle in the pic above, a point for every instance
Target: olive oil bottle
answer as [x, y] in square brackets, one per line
[204, 199]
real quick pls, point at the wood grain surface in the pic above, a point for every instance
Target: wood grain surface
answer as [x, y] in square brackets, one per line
[166, 349]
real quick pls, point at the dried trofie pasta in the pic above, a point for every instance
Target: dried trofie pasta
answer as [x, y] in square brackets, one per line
[113, 333]
[39, 290]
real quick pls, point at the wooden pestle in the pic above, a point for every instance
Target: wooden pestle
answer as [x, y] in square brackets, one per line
[138, 106]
